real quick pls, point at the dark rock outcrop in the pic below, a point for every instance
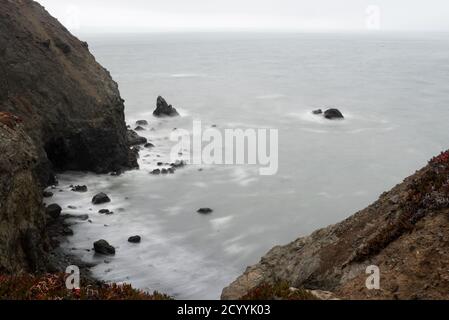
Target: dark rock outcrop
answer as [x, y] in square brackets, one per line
[134, 139]
[317, 111]
[333, 114]
[103, 247]
[70, 106]
[164, 109]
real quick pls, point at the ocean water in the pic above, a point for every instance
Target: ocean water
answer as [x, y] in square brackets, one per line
[392, 88]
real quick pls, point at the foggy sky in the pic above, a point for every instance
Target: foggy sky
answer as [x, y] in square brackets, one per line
[250, 15]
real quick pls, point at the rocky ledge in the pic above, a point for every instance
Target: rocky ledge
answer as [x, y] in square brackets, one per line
[404, 233]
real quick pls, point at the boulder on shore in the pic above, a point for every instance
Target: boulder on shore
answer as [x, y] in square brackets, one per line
[53, 210]
[103, 247]
[164, 109]
[100, 198]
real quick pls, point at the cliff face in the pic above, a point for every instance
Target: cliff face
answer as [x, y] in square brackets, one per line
[69, 104]
[59, 110]
[404, 233]
[22, 217]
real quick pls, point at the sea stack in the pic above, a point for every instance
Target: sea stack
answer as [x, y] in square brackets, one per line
[163, 109]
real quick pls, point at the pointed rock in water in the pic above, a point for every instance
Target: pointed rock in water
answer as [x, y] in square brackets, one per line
[100, 198]
[134, 139]
[141, 122]
[333, 114]
[134, 239]
[103, 247]
[205, 210]
[79, 188]
[164, 109]
[53, 210]
[139, 128]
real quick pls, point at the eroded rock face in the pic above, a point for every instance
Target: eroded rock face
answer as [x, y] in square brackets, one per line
[70, 106]
[22, 215]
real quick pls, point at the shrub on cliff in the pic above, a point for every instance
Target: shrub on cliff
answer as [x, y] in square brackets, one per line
[278, 291]
[52, 287]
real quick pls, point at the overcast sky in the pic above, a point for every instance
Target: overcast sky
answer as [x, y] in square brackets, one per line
[228, 15]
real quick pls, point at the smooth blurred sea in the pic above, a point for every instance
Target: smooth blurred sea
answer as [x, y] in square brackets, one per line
[392, 88]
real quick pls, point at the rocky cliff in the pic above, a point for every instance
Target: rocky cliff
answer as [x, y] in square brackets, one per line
[22, 217]
[404, 233]
[59, 110]
[69, 104]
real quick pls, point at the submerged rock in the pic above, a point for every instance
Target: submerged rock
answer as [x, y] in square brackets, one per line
[141, 123]
[134, 239]
[156, 171]
[67, 231]
[333, 114]
[149, 145]
[164, 109]
[178, 164]
[47, 194]
[53, 210]
[100, 198]
[79, 188]
[318, 111]
[103, 247]
[105, 211]
[205, 210]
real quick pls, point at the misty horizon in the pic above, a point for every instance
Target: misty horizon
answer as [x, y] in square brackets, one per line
[137, 16]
